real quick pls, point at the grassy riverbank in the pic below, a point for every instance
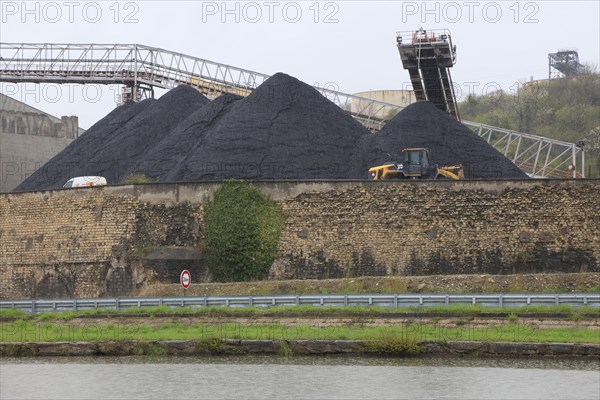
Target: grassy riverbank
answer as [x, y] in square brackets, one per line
[349, 323]
[562, 311]
[22, 331]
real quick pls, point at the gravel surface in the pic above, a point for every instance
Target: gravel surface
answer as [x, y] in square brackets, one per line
[522, 283]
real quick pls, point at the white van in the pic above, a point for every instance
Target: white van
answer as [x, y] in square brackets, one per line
[82, 181]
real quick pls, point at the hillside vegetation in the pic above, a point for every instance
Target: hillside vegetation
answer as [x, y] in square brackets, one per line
[565, 109]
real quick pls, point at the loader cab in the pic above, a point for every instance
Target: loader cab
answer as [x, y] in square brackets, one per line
[415, 162]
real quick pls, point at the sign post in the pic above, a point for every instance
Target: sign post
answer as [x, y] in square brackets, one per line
[185, 279]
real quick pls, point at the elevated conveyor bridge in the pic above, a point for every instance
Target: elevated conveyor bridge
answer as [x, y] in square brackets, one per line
[142, 68]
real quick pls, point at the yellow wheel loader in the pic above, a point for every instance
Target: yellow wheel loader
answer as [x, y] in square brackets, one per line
[415, 165]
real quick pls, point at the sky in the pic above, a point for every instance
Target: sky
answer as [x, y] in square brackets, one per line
[350, 44]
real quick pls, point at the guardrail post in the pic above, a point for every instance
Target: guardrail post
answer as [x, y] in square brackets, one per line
[227, 302]
[585, 300]
[33, 306]
[54, 305]
[321, 300]
[528, 300]
[139, 304]
[205, 302]
[395, 301]
[160, 301]
[447, 300]
[474, 300]
[251, 301]
[297, 300]
[420, 300]
[117, 303]
[556, 299]
[370, 300]
[500, 301]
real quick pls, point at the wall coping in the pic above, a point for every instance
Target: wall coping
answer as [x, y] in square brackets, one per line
[282, 189]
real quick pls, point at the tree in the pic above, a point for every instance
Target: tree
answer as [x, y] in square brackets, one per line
[564, 109]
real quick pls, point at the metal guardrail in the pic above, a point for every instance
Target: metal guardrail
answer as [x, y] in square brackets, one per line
[382, 300]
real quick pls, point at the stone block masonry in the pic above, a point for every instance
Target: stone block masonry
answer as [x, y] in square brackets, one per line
[113, 241]
[428, 228]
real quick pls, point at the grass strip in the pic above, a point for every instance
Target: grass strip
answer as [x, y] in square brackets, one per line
[31, 331]
[455, 310]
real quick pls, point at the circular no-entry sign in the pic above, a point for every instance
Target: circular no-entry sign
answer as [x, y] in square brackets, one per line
[185, 279]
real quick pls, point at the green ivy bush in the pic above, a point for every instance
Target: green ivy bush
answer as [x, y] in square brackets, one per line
[242, 229]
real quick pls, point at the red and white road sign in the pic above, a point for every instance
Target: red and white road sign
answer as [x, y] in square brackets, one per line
[185, 279]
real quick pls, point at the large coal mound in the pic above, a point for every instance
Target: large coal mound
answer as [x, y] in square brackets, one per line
[285, 129]
[172, 159]
[72, 160]
[113, 145]
[449, 142]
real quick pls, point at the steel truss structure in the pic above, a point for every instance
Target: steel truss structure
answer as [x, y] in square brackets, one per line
[142, 68]
[538, 156]
[566, 62]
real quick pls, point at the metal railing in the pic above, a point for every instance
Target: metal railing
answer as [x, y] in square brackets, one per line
[141, 66]
[382, 300]
[538, 156]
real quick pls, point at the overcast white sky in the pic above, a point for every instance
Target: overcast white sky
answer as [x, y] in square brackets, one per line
[350, 43]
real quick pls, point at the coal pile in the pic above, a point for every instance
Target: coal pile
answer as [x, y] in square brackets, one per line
[72, 161]
[285, 129]
[116, 143]
[449, 142]
[169, 160]
[121, 151]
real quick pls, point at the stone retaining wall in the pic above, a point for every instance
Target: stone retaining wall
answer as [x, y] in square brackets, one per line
[114, 241]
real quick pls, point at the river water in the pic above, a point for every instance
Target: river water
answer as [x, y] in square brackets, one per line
[269, 377]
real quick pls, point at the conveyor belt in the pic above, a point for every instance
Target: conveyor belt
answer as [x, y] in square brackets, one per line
[428, 56]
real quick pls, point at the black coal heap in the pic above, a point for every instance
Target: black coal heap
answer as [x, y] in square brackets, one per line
[285, 129]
